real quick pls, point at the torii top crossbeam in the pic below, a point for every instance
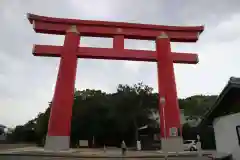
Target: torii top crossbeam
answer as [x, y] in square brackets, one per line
[52, 25]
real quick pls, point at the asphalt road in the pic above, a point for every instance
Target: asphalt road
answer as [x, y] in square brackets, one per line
[65, 158]
[82, 152]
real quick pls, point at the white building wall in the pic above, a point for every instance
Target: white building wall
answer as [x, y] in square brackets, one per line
[226, 135]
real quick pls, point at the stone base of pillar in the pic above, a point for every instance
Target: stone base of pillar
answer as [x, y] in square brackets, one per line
[172, 144]
[57, 143]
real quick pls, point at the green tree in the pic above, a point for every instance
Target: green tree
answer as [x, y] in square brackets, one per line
[137, 104]
[110, 117]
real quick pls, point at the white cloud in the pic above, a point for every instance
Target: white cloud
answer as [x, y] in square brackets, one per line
[219, 60]
[92, 9]
[132, 66]
[27, 82]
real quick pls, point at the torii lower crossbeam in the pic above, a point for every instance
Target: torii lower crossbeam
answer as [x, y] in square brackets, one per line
[113, 54]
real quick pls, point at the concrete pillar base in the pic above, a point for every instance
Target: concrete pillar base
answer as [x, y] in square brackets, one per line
[57, 143]
[172, 144]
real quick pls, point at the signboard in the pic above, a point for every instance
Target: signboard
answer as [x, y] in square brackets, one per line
[173, 131]
[83, 143]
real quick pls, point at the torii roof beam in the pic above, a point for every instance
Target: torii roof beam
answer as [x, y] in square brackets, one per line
[59, 26]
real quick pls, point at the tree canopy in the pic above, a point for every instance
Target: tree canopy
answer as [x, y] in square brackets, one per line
[110, 117]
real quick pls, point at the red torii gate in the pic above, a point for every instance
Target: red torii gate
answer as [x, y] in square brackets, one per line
[61, 108]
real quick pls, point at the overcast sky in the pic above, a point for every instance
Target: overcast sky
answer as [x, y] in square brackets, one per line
[27, 82]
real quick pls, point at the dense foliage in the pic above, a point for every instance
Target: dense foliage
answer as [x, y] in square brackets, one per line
[111, 117]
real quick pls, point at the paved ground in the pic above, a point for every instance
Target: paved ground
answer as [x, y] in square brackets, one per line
[64, 158]
[13, 146]
[35, 153]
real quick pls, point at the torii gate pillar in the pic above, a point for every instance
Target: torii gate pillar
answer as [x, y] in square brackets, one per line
[59, 126]
[168, 102]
